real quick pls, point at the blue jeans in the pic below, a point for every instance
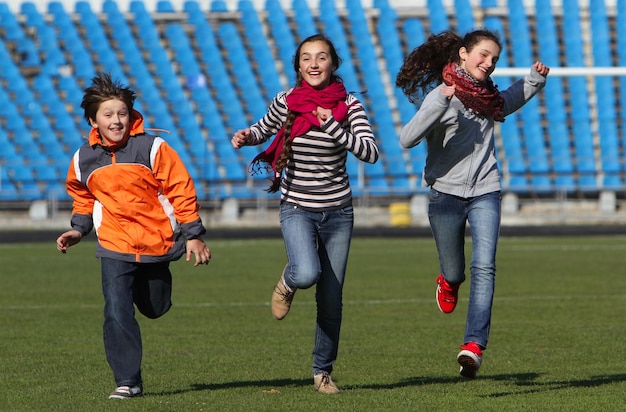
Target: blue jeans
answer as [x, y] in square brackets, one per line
[125, 284]
[318, 244]
[448, 216]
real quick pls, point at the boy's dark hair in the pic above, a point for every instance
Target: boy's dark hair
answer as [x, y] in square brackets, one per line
[104, 88]
[422, 68]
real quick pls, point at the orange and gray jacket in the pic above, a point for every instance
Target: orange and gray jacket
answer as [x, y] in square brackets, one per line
[138, 196]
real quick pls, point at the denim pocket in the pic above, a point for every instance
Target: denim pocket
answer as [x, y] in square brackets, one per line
[347, 212]
[435, 196]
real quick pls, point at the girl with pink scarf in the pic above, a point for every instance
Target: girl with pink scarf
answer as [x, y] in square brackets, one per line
[317, 124]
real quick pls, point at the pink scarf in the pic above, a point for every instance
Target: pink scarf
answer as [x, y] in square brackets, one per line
[303, 101]
[482, 97]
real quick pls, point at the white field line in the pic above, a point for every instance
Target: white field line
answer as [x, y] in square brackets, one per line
[381, 302]
[557, 247]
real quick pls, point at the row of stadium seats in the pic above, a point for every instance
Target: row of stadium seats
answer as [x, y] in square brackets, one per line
[205, 70]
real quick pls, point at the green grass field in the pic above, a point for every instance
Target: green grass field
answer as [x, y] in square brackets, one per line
[557, 341]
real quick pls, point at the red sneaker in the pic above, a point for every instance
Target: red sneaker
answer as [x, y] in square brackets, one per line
[470, 358]
[447, 295]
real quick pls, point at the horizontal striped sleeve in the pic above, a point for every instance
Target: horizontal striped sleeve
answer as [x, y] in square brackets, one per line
[271, 122]
[358, 138]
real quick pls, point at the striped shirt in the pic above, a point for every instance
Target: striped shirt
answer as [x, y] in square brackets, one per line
[315, 177]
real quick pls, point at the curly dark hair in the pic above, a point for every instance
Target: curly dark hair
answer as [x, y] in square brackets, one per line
[421, 69]
[104, 88]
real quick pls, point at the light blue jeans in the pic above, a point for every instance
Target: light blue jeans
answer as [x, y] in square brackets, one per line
[448, 216]
[317, 245]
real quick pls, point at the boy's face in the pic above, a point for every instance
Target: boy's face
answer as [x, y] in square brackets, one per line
[112, 120]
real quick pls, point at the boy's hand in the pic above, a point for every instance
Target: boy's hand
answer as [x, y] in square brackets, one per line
[67, 239]
[200, 250]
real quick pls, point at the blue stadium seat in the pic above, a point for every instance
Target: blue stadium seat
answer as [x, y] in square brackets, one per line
[33, 17]
[437, 15]
[333, 28]
[379, 111]
[244, 77]
[600, 35]
[621, 51]
[218, 6]
[544, 146]
[608, 129]
[164, 6]
[464, 16]
[377, 185]
[215, 127]
[12, 29]
[20, 173]
[520, 42]
[45, 173]
[305, 22]
[8, 191]
[137, 7]
[279, 28]
[558, 135]
[258, 42]
[7, 151]
[192, 7]
[210, 171]
[582, 134]
[413, 32]
[382, 5]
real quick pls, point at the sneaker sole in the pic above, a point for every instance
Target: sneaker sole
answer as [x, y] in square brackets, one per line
[116, 396]
[469, 366]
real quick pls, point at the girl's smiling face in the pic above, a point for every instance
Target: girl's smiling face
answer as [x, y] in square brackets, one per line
[112, 120]
[315, 64]
[481, 60]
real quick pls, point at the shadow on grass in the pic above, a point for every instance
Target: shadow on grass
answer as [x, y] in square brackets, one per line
[413, 381]
[533, 386]
[528, 381]
[517, 379]
[267, 384]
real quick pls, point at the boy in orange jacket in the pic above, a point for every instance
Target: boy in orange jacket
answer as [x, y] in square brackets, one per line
[134, 190]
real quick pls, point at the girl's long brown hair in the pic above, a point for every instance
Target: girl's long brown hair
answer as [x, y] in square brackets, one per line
[421, 69]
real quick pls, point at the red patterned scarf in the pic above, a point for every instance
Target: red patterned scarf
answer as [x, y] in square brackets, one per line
[303, 101]
[482, 97]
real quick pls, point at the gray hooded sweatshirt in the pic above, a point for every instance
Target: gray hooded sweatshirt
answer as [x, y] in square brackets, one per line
[461, 157]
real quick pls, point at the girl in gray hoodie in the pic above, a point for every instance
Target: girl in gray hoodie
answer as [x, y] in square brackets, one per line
[456, 119]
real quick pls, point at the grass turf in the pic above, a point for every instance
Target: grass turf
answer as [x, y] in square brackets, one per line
[556, 342]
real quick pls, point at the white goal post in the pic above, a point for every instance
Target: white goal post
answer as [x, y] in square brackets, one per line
[563, 71]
